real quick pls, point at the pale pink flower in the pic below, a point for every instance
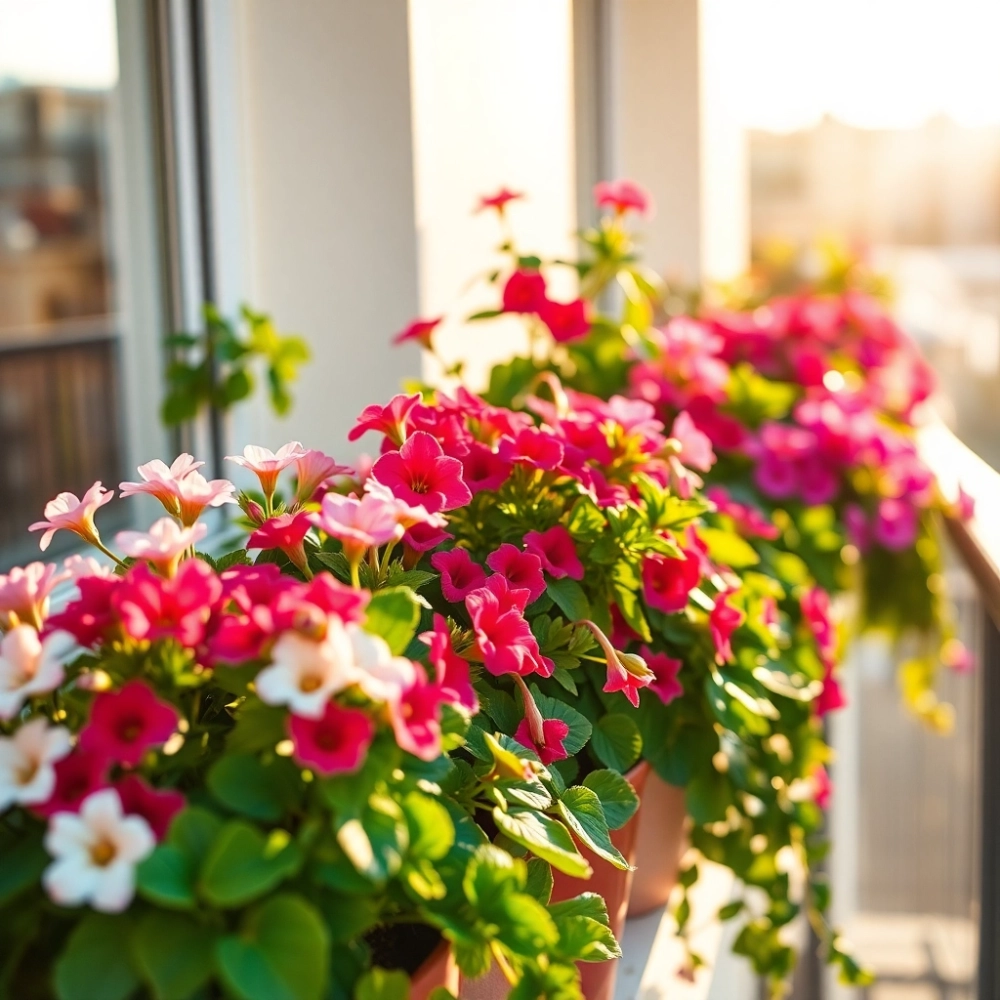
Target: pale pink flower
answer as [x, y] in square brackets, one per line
[72, 513]
[182, 490]
[695, 446]
[27, 776]
[267, 465]
[195, 493]
[408, 515]
[160, 480]
[24, 592]
[359, 524]
[96, 852]
[163, 545]
[29, 666]
[382, 676]
[80, 567]
[313, 469]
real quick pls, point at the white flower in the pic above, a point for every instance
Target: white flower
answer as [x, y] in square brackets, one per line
[96, 852]
[163, 544]
[26, 758]
[29, 666]
[382, 676]
[305, 673]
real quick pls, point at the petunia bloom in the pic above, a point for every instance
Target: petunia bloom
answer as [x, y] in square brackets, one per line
[96, 853]
[524, 292]
[78, 774]
[503, 635]
[567, 321]
[24, 592]
[667, 582]
[452, 671]
[163, 545]
[533, 447]
[556, 552]
[416, 717]
[125, 724]
[267, 465]
[499, 201]
[460, 576]
[312, 470]
[182, 490]
[549, 742]
[666, 686]
[520, 569]
[895, 525]
[27, 759]
[695, 447]
[723, 620]
[92, 617]
[421, 474]
[29, 666]
[394, 420]
[623, 196]
[67, 512]
[358, 524]
[157, 807]
[334, 743]
[627, 672]
[418, 332]
[286, 532]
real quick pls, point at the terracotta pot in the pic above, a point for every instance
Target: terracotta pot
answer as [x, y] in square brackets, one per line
[611, 883]
[439, 969]
[659, 845]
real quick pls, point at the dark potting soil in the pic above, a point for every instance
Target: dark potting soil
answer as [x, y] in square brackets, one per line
[402, 946]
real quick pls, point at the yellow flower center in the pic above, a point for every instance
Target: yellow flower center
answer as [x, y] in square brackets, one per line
[310, 683]
[103, 852]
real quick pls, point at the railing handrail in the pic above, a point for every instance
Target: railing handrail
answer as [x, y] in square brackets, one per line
[977, 541]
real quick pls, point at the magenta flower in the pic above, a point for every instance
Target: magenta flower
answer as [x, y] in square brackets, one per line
[818, 482]
[394, 420]
[459, 574]
[424, 537]
[832, 697]
[723, 621]
[524, 292]
[857, 526]
[452, 671]
[623, 196]
[667, 582]
[503, 635]
[335, 743]
[520, 569]
[484, 469]
[815, 605]
[822, 787]
[125, 724]
[418, 332]
[533, 447]
[358, 524]
[77, 776]
[567, 321]
[151, 607]
[549, 746]
[312, 470]
[556, 552]
[421, 474]
[895, 526]
[416, 717]
[286, 532]
[666, 686]
[71, 513]
[91, 618]
[627, 672]
[965, 506]
[750, 522]
[696, 448]
[24, 592]
[499, 201]
[267, 465]
[163, 545]
[157, 808]
[777, 477]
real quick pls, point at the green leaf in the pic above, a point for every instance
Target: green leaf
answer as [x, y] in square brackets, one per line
[618, 798]
[258, 726]
[539, 883]
[281, 953]
[377, 842]
[243, 864]
[581, 809]
[244, 784]
[569, 598]
[95, 963]
[584, 933]
[616, 741]
[382, 984]
[193, 831]
[707, 797]
[167, 878]
[579, 726]
[545, 837]
[393, 614]
[431, 830]
[728, 549]
[175, 955]
[22, 861]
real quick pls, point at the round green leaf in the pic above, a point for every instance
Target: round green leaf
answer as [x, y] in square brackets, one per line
[166, 877]
[95, 963]
[581, 809]
[174, 953]
[243, 864]
[247, 786]
[618, 798]
[616, 741]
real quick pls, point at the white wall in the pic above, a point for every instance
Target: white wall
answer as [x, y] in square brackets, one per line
[492, 106]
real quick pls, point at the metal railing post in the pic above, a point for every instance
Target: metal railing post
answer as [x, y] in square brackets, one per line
[989, 898]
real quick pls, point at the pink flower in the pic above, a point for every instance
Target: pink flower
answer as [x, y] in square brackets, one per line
[161, 481]
[503, 635]
[818, 483]
[459, 574]
[627, 672]
[832, 697]
[335, 743]
[524, 292]
[157, 808]
[723, 621]
[25, 592]
[750, 522]
[267, 465]
[538, 449]
[499, 201]
[424, 537]
[452, 671]
[125, 724]
[550, 747]
[567, 321]
[623, 195]
[556, 552]
[286, 532]
[394, 420]
[421, 474]
[419, 331]
[857, 527]
[895, 526]
[91, 618]
[77, 776]
[521, 569]
[71, 513]
[667, 582]
[182, 490]
[666, 687]
[956, 656]
[965, 506]
[483, 469]
[696, 448]
[815, 605]
[416, 717]
[163, 545]
[312, 470]
[777, 477]
[80, 567]
[151, 607]
[822, 787]
[358, 524]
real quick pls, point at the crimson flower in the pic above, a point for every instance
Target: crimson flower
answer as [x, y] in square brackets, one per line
[550, 748]
[533, 447]
[566, 321]
[460, 576]
[667, 582]
[623, 195]
[425, 536]
[556, 552]
[723, 621]
[520, 569]
[156, 807]
[125, 724]
[452, 670]
[484, 469]
[502, 633]
[831, 698]
[92, 617]
[394, 420]
[666, 686]
[335, 743]
[421, 474]
[286, 532]
[499, 200]
[524, 292]
[416, 717]
[419, 331]
[77, 776]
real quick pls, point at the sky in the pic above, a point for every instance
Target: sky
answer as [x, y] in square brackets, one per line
[63, 42]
